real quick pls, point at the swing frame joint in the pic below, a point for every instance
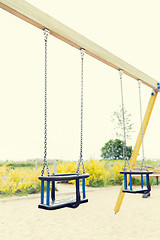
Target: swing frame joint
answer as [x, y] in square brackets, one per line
[46, 33]
[82, 52]
[153, 92]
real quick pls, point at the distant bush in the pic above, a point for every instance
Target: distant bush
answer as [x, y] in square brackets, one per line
[95, 168]
[15, 181]
[117, 177]
[97, 172]
[24, 180]
[100, 176]
[66, 167]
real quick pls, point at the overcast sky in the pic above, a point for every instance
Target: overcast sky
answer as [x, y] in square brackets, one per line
[128, 29]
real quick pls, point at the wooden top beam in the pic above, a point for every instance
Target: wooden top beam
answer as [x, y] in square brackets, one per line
[40, 19]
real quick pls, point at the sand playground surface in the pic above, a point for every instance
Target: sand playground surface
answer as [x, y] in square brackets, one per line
[139, 218]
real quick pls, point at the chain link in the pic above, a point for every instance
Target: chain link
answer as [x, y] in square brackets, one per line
[81, 131]
[124, 126]
[140, 106]
[45, 163]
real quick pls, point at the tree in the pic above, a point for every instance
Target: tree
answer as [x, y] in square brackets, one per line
[114, 150]
[116, 118]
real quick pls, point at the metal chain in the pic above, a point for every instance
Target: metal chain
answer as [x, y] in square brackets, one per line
[124, 126]
[45, 163]
[140, 106]
[81, 131]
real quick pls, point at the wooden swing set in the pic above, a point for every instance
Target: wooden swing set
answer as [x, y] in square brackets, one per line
[41, 20]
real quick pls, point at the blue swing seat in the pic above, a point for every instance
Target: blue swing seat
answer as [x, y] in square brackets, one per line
[53, 204]
[142, 190]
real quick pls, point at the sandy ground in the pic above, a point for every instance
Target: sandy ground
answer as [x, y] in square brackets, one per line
[139, 218]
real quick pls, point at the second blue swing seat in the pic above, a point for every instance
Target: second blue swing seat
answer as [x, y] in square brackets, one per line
[142, 190]
[51, 203]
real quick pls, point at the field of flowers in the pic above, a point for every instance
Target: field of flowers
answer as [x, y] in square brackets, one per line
[18, 181]
[22, 179]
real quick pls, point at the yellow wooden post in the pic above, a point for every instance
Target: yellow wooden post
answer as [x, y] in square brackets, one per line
[137, 147]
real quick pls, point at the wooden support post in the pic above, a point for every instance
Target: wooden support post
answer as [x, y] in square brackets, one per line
[41, 20]
[137, 147]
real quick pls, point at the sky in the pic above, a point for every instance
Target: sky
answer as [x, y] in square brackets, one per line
[128, 29]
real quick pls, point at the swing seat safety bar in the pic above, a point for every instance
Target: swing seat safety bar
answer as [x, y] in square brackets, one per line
[63, 176]
[136, 172]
